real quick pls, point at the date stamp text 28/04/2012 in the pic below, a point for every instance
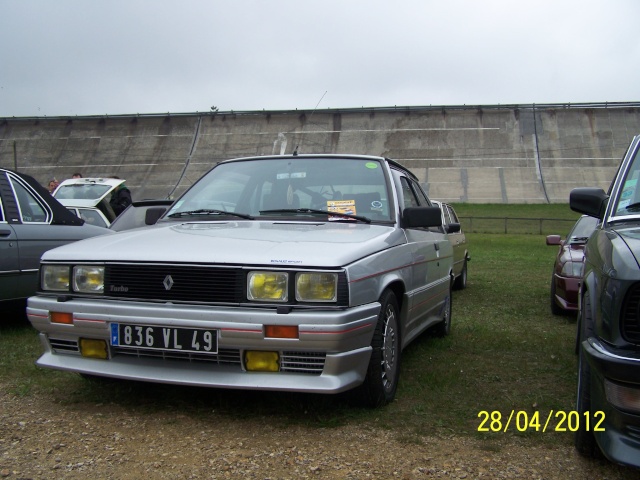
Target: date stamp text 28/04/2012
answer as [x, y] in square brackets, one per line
[523, 421]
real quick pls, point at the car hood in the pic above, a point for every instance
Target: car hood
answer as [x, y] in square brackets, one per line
[238, 242]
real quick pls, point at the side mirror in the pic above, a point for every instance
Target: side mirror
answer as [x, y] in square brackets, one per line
[453, 228]
[554, 240]
[589, 201]
[152, 215]
[421, 217]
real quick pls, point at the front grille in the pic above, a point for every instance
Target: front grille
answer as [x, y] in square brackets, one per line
[59, 345]
[630, 318]
[633, 431]
[293, 362]
[185, 283]
[311, 363]
[193, 284]
[302, 362]
[228, 357]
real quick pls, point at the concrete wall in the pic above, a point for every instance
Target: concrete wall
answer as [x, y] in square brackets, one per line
[483, 154]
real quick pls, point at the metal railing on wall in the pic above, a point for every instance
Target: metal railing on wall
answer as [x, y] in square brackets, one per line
[511, 225]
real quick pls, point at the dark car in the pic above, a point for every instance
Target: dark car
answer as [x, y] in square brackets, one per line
[569, 265]
[608, 401]
[31, 222]
[458, 240]
[141, 213]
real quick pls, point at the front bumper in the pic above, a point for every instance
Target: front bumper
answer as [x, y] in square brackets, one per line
[330, 355]
[620, 440]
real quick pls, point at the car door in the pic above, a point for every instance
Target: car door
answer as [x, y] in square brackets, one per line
[457, 239]
[430, 253]
[29, 217]
[9, 264]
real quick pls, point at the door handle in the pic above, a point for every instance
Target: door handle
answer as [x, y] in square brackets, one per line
[4, 232]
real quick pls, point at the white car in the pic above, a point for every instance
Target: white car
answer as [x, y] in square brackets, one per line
[88, 198]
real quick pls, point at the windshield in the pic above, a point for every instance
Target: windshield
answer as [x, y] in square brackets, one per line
[628, 201]
[289, 186]
[581, 231]
[82, 192]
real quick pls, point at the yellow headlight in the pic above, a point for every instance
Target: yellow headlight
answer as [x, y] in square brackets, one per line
[55, 277]
[88, 279]
[316, 287]
[268, 286]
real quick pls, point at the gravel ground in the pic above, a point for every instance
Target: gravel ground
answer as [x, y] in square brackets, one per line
[41, 439]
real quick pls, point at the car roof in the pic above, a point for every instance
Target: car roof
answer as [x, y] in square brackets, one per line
[391, 162]
[61, 216]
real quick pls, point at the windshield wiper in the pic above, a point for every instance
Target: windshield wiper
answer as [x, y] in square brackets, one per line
[208, 211]
[319, 212]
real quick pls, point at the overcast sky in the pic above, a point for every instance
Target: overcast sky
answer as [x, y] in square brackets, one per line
[86, 57]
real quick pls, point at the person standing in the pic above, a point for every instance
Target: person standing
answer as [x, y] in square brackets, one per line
[53, 184]
[120, 198]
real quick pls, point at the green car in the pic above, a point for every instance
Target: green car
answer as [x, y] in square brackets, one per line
[608, 337]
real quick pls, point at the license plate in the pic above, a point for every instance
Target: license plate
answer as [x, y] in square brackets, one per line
[192, 340]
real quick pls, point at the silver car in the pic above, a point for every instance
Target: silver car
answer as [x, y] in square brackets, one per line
[31, 222]
[300, 273]
[458, 239]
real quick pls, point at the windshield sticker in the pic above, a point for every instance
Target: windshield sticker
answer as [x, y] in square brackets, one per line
[284, 176]
[341, 206]
[371, 165]
[376, 205]
[627, 193]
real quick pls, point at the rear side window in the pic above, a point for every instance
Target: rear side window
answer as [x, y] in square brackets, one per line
[452, 214]
[410, 199]
[31, 208]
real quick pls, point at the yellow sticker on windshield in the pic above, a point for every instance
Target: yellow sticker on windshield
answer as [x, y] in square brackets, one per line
[371, 165]
[342, 206]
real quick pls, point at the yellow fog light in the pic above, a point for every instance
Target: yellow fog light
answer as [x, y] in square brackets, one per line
[91, 348]
[261, 361]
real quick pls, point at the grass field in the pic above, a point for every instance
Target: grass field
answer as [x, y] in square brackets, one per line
[506, 353]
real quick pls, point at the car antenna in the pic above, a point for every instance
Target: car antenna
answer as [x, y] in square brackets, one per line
[295, 151]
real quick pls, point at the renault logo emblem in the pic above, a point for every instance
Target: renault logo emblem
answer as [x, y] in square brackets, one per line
[168, 282]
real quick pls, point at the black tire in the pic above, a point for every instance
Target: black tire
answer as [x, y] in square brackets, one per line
[555, 308]
[443, 328]
[381, 382]
[584, 439]
[460, 282]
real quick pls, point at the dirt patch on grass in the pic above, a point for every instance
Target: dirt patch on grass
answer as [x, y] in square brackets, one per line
[41, 438]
